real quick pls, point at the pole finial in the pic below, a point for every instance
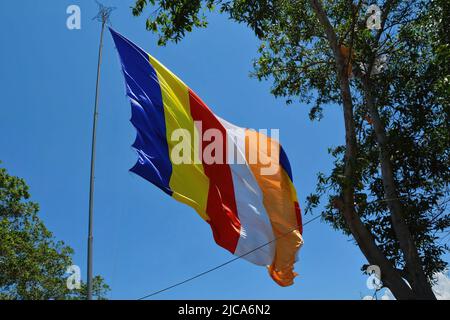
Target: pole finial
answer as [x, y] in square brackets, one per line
[104, 13]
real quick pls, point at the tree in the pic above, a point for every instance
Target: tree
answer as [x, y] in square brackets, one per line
[32, 263]
[390, 184]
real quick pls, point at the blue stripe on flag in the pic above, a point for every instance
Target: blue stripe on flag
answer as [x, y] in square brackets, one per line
[284, 161]
[147, 114]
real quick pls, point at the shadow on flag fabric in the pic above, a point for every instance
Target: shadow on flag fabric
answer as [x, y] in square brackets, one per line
[238, 180]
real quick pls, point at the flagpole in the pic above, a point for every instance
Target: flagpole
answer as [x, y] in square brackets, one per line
[103, 17]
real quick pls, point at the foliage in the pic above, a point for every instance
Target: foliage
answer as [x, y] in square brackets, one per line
[414, 106]
[410, 94]
[32, 263]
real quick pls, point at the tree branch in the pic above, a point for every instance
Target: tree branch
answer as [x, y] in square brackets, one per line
[361, 234]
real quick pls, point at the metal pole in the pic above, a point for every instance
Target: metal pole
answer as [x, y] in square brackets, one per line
[103, 17]
[91, 189]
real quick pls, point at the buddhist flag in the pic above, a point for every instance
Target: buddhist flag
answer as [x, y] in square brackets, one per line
[238, 180]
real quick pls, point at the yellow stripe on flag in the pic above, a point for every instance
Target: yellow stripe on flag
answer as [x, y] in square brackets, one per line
[188, 181]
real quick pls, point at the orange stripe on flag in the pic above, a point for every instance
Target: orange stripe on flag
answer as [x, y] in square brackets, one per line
[279, 199]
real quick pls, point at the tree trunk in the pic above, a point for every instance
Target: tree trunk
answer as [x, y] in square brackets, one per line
[390, 276]
[416, 275]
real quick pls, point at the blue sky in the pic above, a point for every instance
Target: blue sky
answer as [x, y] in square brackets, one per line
[144, 240]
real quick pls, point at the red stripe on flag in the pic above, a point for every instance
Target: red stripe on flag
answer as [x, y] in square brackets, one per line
[298, 215]
[221, 206]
